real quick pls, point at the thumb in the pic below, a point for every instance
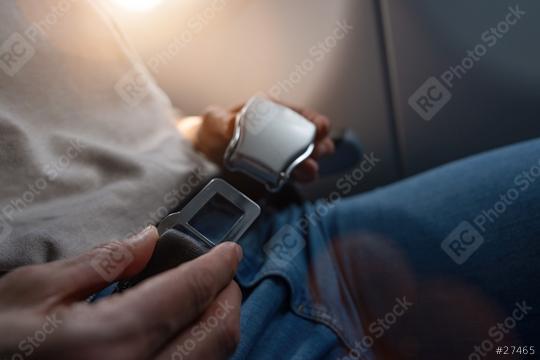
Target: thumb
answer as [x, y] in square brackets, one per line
[79, 277]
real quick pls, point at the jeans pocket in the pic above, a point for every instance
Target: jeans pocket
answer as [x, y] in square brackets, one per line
[306, 263]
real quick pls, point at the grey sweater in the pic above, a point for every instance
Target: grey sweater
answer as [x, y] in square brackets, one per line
[89, 151]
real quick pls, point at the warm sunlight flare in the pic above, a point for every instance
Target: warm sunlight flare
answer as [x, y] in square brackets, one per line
[137, 5]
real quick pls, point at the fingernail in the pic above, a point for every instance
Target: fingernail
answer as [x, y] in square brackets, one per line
[147, 232]
[237, 249]
[239, 252]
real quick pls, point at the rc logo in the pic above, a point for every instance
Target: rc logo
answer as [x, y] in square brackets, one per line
[284, 246]
[134, 86]
[430, 98]
[462, 242]
[15, 52]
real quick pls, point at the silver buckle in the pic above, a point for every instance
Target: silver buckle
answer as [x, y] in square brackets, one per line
[269, 142]
[219, 212]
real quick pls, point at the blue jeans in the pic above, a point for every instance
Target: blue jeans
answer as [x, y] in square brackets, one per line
[443, 265]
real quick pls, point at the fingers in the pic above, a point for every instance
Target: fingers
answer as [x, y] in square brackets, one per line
[106, 264]
[324, 147]
[215, 133]
[215, 335]
[235, 109]
[81, 276]
[320, 121]
[307, 171]
[219, 122]
[171, 301]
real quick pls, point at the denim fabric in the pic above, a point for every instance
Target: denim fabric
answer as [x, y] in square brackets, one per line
[320, 276]
[427, 268]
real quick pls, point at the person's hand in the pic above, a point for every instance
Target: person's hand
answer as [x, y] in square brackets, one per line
[190, 312]
[214, 130]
